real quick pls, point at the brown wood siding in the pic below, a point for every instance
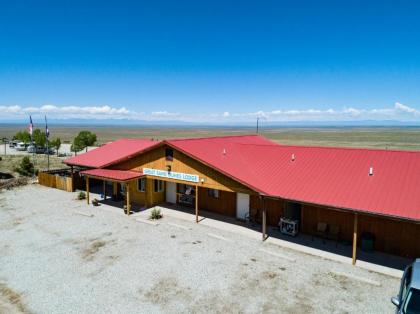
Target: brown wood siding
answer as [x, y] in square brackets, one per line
[274, 209]
[55, 181]
[391, 236]
[182, 163]
[312, 215]
[225, 204]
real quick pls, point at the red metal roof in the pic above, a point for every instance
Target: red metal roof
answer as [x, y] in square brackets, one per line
[117, 175]
[336, 177]
[111, 153]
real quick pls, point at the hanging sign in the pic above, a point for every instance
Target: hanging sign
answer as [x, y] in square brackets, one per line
[171, 175]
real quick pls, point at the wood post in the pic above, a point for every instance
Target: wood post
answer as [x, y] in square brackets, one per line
[354, 239]
[72, 178]
[196, 203]
[264, 221]
[104, 189]
[127, 191]
[87, 189]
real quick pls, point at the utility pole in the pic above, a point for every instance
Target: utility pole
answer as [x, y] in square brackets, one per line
[258, 118]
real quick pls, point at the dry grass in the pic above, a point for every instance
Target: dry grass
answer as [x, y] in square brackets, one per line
[11, 301]
[10, 162]
[94, 247]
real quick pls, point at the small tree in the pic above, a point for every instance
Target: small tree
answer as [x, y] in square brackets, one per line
[39, 138]
[26, 167]
[83, 140]
[22, 136]
[56, 144]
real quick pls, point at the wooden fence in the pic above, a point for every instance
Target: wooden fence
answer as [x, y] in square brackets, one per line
[56, 179]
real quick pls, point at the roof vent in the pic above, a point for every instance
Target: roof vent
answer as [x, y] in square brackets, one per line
[293, 157]
[224, 151]
[371, 171]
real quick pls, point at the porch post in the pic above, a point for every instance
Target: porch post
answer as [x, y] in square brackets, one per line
[196, 203]
[87, 189]
[104, 189]
[72, 178]
[127, 190]
[264, 221]
[354, 239]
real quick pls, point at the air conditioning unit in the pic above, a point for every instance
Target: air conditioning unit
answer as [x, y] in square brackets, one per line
[289, 226]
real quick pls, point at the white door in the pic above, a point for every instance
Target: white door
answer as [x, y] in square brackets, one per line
[242, 205]
[171, 192]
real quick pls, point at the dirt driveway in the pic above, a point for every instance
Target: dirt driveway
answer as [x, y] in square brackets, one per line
[60, 256]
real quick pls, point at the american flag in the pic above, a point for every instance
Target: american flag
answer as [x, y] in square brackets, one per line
[47, 132]
[31, 126]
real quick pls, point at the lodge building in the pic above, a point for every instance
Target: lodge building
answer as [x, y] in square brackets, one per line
[345, 192]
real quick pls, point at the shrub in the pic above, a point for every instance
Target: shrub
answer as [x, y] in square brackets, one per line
[81, 195]
[155, 214]
[26, 168]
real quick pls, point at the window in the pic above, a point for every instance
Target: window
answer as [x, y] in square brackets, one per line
[158, 184]
[169, 153]
[213, 193]
[141, 184]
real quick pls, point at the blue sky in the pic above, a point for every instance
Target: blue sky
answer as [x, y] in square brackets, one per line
[210, 61]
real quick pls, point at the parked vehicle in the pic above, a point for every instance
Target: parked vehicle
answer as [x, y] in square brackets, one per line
[50, 151]
[37, 150]
[21, 146]
[12, 144]
[408, 299]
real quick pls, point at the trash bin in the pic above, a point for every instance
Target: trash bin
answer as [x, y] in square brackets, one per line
[368, 242]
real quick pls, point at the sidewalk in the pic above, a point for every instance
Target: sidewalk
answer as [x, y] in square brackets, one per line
[230, 224]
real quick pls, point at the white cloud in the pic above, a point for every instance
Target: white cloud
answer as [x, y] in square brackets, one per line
[67, 112]
[165, 114]
[397, 112]
[403, 108]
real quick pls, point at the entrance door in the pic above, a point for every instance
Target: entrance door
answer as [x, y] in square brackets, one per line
[242, 205]
[171, 192]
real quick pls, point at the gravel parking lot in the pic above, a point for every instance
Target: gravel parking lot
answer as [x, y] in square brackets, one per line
[59, 255]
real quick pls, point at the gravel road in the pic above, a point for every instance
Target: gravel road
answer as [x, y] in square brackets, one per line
[59, 255]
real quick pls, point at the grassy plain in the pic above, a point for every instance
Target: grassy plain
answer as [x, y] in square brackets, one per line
[406, 138]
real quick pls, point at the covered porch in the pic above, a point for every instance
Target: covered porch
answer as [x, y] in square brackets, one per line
[119, 178]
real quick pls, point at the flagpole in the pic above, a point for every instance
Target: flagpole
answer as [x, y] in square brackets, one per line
[47, 133]
[31, 128]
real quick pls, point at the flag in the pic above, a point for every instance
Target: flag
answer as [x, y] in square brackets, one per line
[47, 132]
[31, 126]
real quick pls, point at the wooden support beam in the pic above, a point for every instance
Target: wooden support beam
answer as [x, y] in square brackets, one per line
[354, 239]
[72, 178]
[196, 203]
[104, 189]
[127, 191]
[87, 189]
[264, 221]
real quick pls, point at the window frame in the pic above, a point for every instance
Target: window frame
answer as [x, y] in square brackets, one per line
[214, 193]
[158, 185]
[139, 185]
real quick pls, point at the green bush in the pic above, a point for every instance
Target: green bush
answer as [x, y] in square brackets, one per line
[81, 195]
[26, 167]
[155, 214]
